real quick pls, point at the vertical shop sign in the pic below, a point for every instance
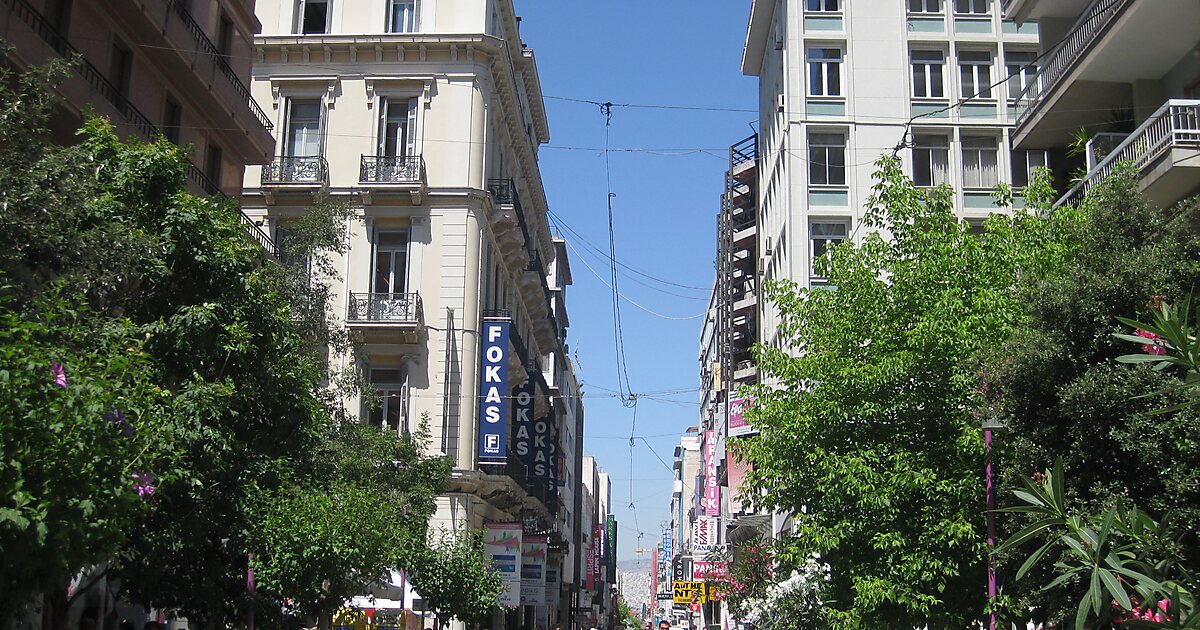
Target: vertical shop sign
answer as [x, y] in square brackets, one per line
[522, 423]
[502, 546]
[493, 391]
[712, 489]
[533, 571]
[611, 557]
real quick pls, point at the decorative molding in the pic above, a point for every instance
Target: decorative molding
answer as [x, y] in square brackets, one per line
[330, 96]
[453, 52]
[470, 52]
[306, 54]
[353, 53]
[378, 54]
[260, 52]
[283, 54]
[370, 83]
[328, 54]
[275, 94]
[424, 52]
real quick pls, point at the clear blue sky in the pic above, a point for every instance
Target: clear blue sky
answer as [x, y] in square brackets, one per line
[655, 52]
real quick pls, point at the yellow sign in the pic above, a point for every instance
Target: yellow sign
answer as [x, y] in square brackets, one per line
[690, 592]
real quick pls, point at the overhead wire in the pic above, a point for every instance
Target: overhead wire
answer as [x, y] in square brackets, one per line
[622, 296]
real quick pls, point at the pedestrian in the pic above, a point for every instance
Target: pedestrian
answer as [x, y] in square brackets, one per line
[664, 625]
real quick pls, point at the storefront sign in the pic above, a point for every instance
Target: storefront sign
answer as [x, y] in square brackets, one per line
[589, 568]
[533, 571]
[738, 425]
[522, 423]
[712, 489]
[502, 546]
[689, 593]
[710, 571]
[542, 453]
[493, 391]
[704, 535]
[598, 549]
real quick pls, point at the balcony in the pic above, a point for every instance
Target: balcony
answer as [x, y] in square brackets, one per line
[392, 173]
[1163, 150]
[296, 171]
[1096, 69]
[387, 317]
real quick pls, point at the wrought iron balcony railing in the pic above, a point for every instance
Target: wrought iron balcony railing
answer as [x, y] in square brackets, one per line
[179, 8]
[1175, 125]
[400, 308]
[1066, 55]
[392, 169]
[296, 169]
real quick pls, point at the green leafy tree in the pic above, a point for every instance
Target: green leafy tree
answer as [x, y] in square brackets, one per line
[868, 440]
[456, 578]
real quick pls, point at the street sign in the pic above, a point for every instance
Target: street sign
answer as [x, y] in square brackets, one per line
[689, 593]
[664, 596]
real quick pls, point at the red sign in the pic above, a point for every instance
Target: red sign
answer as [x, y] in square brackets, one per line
[705, 571]
[589, 567]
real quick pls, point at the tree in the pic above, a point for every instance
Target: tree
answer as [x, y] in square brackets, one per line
[868, 440]
[1057, 387]
[456, 579]
[160, 314]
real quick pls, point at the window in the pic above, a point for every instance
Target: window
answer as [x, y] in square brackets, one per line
[931, 160]
[823, 236]
[980, 163]
[971, 7]
[1022, 71]
[924, 6]
[213, 162]
[58, 14]
[823, 6]
[824, 72]
[172, 117]
[397, 123]
[120, 67]
[312, 16]
[927, 73]
[1024, 163]
[391, 262]
[402, 16]
[303, 128]
[827, 159]
[225, 37]
[392, 413]
[975, 73]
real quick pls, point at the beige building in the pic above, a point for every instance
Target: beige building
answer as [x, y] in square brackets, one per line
[174, 68]
[1127, 73]
[425, 118]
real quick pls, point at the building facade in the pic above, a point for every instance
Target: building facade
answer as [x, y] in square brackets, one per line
[424, 118]
[1122, 76]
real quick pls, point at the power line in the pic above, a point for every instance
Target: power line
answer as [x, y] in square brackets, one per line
[627, 298]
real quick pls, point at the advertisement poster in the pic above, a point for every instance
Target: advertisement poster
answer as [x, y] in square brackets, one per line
[712, 488]
[533, 570]
[598, 550]
[738, 425]
[502, 546]
[738, 467]
[589, 568]
[553, 578]
[493, 391]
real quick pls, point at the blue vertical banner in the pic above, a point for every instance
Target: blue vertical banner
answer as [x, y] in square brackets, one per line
[522, 423]
[493, 391]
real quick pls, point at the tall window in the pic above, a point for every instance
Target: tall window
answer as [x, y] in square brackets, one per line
[213, 161]
[225, 37]
[391, 262]
[823, 236]
[924, 6]
[402, 16]
[931, 160]
[928, 80]
[120, 67]
[1021, 68]
[312, 16]
[980, 163]
[971, 7]
[1024, 163]
[824, 72]
[303, 128]
[397, 123]
[172, 118]
[827, 159]
[975, 73]
[391, 414]
[823, 6]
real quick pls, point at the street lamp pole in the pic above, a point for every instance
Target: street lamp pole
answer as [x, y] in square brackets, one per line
[991, 528]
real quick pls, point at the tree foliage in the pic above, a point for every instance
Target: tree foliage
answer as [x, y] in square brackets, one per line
[456, 579]
[868, 437]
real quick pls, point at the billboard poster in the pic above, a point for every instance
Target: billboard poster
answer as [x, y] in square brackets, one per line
[502, 546]
[493, 391]
[738, 468]
[738, 425]
[598, 550]
[533, 570]
[611, 546]
[704, 535]
[712, 488]
[522, 423]
[553, 579]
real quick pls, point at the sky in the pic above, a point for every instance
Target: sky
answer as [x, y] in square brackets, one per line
[666, 168]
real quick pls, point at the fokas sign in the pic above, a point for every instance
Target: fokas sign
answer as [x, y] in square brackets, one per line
[493, 391]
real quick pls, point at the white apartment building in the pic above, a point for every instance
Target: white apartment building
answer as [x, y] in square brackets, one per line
[425, 118]
[839, 80]
[1127, 72]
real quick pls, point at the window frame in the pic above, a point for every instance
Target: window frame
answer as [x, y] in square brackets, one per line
[405, 248]
[289, 119]
[120, 66]
[413, 23]
[214, 163]
[973, 8]
[941, 7]
[979, 153]
[411, 106]
[172, 118]
[826, 240]
[1026, 169]
[823, 64]
[1026, 73]
[927, 66]
[808, 4]
[980, 75]
[389, 390]
[942, 147]
[300, 17]
[816, 143]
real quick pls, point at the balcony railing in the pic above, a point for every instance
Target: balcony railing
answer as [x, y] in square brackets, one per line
[391, 169]
[1094, 23]
[1175, 124]
[385, 308]
[179, 7]
[133, 116]
[296, 169]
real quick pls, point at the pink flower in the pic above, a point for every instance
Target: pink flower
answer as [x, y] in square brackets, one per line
[143, 482]
[117, 418]
[1145, 334]
[60, 374]
[1154, 349]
